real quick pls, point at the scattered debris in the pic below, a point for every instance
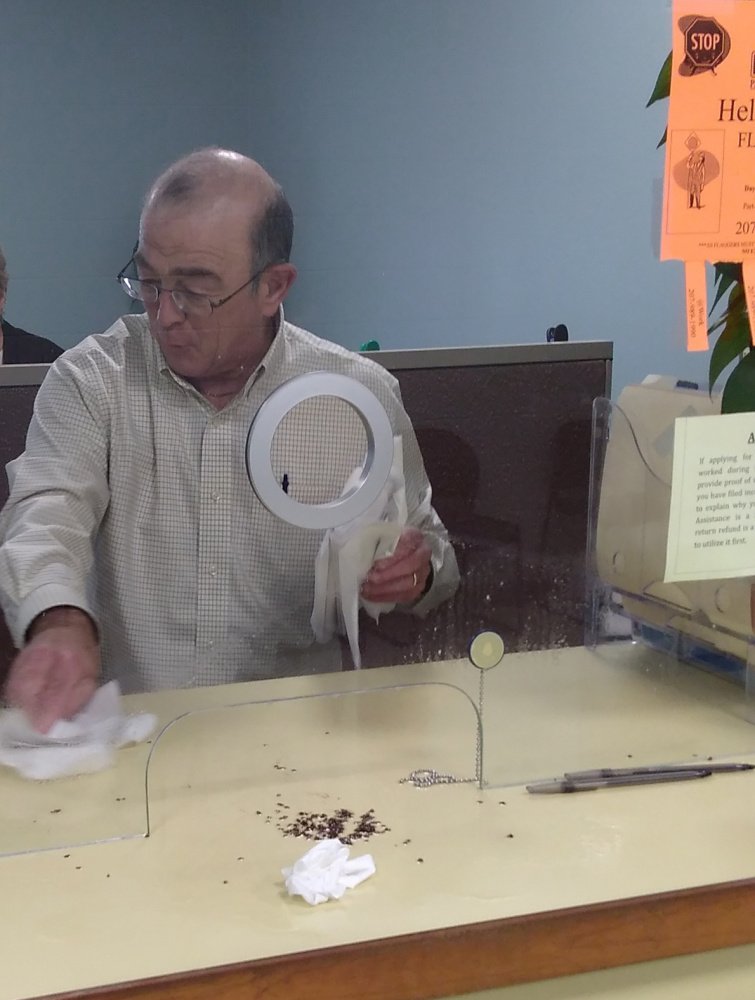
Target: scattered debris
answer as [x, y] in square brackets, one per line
[342, 825]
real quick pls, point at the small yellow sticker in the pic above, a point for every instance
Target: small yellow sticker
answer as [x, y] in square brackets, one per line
[486, 650]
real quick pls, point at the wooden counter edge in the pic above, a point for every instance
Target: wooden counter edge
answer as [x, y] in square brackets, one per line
[480, 956]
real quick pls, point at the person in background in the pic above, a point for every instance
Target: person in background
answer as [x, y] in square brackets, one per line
[132, 546]
[17, 347]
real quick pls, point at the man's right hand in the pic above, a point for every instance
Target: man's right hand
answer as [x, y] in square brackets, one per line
[56, 673]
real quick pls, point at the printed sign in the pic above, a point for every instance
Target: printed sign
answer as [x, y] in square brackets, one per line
[712, 516]
[709, 193]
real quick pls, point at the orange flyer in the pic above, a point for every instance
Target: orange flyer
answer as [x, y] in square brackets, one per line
[709, 191]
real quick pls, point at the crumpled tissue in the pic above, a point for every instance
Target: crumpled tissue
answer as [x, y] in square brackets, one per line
[325, 872]
[85, 743]
[347, 554]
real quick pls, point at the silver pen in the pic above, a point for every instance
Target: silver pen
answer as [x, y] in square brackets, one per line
[590, 785]
[618, 772]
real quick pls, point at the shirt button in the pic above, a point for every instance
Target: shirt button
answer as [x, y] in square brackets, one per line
[215, 496]
[213, 571]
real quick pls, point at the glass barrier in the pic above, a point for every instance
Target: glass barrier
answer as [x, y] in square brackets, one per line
[423, 734]
[312, 765]
[504, 433]
[685, 650]
[80, 809]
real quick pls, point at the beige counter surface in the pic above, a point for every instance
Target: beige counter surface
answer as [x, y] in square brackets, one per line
[472, 886]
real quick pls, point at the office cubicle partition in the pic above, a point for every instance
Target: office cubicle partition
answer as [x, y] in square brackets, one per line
[18, 389]
[505, 435]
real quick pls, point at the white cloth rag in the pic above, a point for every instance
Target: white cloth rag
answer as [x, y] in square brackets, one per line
[85, 743]
[347, 554]
[325, 872]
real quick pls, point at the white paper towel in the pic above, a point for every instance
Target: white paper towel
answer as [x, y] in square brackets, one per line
[325, 872]
[85, 743]
[347, 554]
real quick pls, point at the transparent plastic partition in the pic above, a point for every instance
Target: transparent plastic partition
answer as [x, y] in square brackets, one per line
[329, 732]
[80, 809]
[315, 765]
[680, 654]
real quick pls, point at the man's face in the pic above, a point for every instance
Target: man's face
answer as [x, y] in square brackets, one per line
[204, 249]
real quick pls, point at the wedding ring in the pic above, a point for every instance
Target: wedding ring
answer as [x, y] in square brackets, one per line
[414, 580]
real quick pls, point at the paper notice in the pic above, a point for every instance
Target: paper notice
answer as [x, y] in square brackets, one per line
[711, 531]
[697, 306]
[709, 195]
[748, 279]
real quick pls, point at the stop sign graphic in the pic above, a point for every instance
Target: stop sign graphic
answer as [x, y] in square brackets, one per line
[706, 43]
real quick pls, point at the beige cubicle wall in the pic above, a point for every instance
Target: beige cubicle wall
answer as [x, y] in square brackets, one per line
[474, 889]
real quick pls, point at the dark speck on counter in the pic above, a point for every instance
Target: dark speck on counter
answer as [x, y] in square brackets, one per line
[320, 826]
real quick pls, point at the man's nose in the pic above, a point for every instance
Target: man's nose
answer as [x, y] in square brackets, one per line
[168, 312]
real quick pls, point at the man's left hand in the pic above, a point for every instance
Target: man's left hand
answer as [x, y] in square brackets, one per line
[400, 578]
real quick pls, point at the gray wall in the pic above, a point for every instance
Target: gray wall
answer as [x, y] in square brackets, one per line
[462, 171]
[98, 97]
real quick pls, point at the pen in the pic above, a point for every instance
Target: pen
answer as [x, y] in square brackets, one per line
[619, 772]
[569, 785]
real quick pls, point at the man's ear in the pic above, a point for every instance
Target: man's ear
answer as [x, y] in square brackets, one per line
[2, 302]
[274, 286]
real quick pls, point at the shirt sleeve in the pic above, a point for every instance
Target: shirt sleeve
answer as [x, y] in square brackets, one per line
[58, 496]
[422, 515]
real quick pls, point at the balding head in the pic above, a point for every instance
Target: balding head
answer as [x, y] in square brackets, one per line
[209, 175]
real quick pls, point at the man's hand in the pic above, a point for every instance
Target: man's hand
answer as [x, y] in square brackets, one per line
[400, 578]
[56, 673]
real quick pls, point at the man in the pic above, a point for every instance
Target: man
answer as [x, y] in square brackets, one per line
[17, 347]
[132, 545]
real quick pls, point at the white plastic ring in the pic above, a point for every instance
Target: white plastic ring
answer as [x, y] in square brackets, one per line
[377, 462]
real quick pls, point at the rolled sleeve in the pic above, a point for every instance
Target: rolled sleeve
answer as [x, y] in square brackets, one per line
[58, 496]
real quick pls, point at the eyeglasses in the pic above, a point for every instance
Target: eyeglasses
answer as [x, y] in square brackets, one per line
[189, 303]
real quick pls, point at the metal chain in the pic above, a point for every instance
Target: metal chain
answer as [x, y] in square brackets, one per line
[425, 777]
[478, 755]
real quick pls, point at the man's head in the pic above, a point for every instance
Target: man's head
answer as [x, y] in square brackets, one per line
[3, 280]
[215, 224]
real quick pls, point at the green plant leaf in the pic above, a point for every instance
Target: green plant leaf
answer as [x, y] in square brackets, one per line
[739, 391]
[662, 139]
[726, 275]
[727, 349]
[662, 86]
[733, 315]
[727, 268]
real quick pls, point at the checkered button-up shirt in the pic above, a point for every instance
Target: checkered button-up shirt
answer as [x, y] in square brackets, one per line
[132, 502]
